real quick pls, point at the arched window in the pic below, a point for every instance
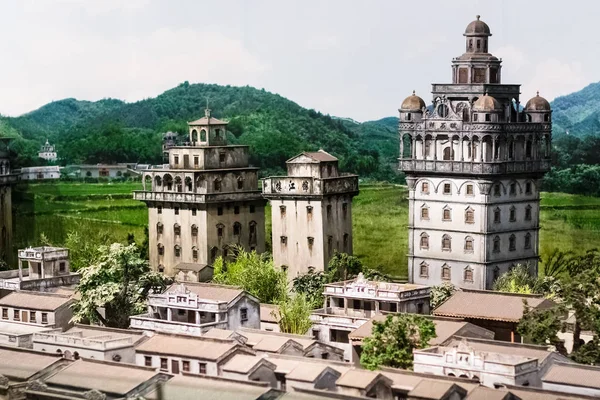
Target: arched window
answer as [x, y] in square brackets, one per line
[447, 214]
[446, 243]
[195, 253]
[168, 181]
[528, 240]
[75, 355]
[240, 182]
[497, 244]
[188, 184]
[496, 273]
[497, 215]
[512, 243]
[528, 213]
[424, 212]
[178, 184]
[217, 185]
[448, 154]
[214, 252]
[203, 135]
[159, 228]
[157, 181]
[469, 244]
[528, 149]
[161, 249]
[237, 229]
[177, 229]
[468, 274]
[194, 230]
[252, 231]
[177, 251]
[424, 241]
[442, 110]
[161, 268]
[424, 270]
[194, 136]
[513, 214]
[446, 272]
[220, 230]
[469, 216]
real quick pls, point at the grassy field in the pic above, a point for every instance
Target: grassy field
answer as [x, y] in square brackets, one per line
[568, 222]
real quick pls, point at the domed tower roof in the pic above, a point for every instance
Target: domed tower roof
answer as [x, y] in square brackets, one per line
[412, 103]
[537, 103]
[486, 103]
[477, 28]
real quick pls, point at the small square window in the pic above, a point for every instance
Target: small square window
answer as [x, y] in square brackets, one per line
[44, 318]
[425, 187]
[221, 157]
[219, 210]
[283, 239]
[469, 190]
[447, 188]
[202, 368]
[147, 361]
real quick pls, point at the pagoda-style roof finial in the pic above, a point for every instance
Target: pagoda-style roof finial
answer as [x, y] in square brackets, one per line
[478, 16]
[207, 110]
[414, 94]
[538, 93]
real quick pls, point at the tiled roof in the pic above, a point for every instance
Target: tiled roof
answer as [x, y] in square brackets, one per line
[265, 313]
[208, 291]
[104, 376]
[361, 378]
[244, 363]
[308, 372]
[207, 121]
[255, 336]
[189, 346]
[191, 266]
[488, 305]
[216, 333]
[183, 387]
[35, 300]
[432, 389]
[320, 155]
[573, 374]
[486, 393]
[20, 364]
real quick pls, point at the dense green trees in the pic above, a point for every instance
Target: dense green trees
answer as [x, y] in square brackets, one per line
[440, 294]
[393, 341]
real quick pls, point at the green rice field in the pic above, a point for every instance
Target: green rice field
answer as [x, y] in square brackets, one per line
[569, 222]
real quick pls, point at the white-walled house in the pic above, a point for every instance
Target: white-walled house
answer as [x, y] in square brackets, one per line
[37, 308]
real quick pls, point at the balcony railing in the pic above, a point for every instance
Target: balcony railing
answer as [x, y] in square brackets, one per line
[326, 316]
[68, 340]
[481, 167]
[145, 322]
[307, 186]
[182, 197]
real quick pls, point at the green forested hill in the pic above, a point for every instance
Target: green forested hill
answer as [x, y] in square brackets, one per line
[578, 113]
[275, 128]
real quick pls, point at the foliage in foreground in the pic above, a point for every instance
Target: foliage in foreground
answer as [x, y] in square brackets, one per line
[253, 272]
[393, 341]
[119, 282]
[294, 315]
[440, 294]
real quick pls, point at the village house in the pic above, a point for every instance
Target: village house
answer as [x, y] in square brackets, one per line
[108, 171]
[91, 341]
[499, 312]
[445, 328]
[48, 152]
[573, 379]
[350, 304]
[489, 362]
[245, 367]
[194, 308]
[50, 310]
[18, 334]
[44, 269]
[180, 354]
[373, 384]
[39, 173]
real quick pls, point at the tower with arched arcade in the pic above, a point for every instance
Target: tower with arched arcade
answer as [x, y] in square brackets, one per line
[474, 162]
[206, 201]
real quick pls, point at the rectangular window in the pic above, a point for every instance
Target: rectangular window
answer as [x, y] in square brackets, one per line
[488, 117]
[147, 361]
[469, 190]
[5, 313]
[339, 336]
[528, 188]
[164, 364]
[252, 209]
[496, 190]
[528, 214]
[32, 316]
[425, 187]
[527, 241]
[194, 212]
[447, 188]
[176, 210]
[282, 211]
[16, 316]
[159, 210]
[513, 189]
[469, 216]
[220, 211]
[329, 211]
[447, 215]
[236, 209]
[62, 266]
[420, 308]
[424, 272]
[424, 213]
[202, 368]
[244, 314]
[497, 216]
[176, 160]
[44, 318]
[513, 215]
[196, 161]
[185, 366]
[344, 210]
[283, 240]
[469, 275]
[221, 157]
[475, 117]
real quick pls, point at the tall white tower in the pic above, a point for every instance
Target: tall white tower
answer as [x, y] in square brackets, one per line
[205, 201]
[311, 211]
[473, 166]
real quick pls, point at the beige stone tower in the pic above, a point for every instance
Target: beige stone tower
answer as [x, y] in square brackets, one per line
[311, 211]
[473, 165]
[205, 201]
[6, 227]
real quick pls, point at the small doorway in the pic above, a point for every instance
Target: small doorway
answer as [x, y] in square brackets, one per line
[174, 366]
[24, 316]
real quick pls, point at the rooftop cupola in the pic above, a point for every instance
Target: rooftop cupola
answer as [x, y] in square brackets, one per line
[412, 108]
[477, 34]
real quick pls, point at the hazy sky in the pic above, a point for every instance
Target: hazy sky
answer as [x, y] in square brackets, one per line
[348, 58]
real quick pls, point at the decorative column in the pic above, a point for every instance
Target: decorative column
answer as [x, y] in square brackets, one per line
[461, 150]
[413, 148]
[494, 149]
[402, 146]
[435, 148]
[169, 314]
[198, 319]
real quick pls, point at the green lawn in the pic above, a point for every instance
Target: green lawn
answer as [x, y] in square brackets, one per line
[380, 218]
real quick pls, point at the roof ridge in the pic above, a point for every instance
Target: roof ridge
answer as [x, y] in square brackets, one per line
[500, 343]
[497, 292]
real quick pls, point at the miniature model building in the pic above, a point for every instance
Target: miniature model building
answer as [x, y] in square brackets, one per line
[48, 152]
[473, 166]
[311, 212]
[207, 200]
[6, 180]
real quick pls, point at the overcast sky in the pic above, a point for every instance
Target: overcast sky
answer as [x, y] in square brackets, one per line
[348, 58]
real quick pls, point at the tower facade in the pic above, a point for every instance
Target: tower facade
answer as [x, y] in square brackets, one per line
[474, 166]
[205, 201]
[6, 226]
[311, 210]
[48, 152]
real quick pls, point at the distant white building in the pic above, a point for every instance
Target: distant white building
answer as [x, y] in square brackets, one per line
[48, 152]
[40, 173]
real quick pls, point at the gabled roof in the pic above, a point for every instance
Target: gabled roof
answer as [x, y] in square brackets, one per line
[35, 300]
[21, 364]
[315, 156]
[202, 387]
[245, 363]
[192, 266]
[435, 390]
[108, 377]
[266, 313]
[207, 121]
[486, 393]
[489, 305]
[306, 372]
[573, 375]
[190, 347]
[362, 379]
